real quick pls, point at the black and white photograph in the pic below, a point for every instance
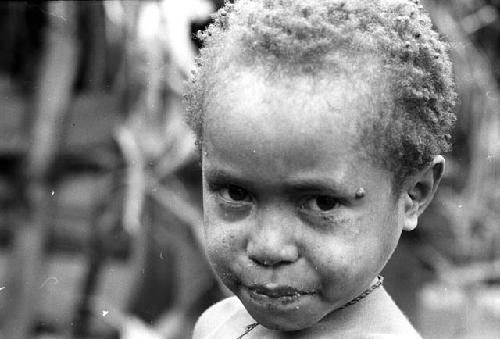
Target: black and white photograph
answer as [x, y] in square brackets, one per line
[250, 169]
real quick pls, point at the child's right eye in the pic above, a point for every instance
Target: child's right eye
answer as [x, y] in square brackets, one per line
[234, 194]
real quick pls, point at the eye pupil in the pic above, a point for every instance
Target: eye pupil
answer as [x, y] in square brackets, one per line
[237, 194]
[325, 202]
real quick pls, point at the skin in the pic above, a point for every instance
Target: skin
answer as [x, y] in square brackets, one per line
[284, 229]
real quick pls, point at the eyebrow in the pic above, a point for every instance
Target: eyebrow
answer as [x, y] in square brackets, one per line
[217, 176]
[316, 184]
[291, 185]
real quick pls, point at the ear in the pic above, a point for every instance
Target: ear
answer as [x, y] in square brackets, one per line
[420, 190]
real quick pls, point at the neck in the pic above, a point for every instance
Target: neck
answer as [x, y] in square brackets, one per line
[362, 314]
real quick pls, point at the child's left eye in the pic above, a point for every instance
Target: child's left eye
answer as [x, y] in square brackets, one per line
[320, 203]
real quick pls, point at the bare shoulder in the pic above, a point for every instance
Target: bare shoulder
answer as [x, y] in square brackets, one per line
[216, 316]
[378, 317]
[396, 323]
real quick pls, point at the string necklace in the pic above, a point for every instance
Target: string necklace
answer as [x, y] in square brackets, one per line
[248, 329]
[367, 292]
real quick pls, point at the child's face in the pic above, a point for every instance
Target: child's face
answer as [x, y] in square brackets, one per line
[284, 229]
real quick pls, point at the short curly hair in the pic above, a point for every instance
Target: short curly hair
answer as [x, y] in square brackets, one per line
[323, 37]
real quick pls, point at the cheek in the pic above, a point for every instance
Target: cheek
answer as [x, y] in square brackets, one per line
[338, 270]
[386, 234]
[219, 240]
[378, 238]
[353, 254]
[221, 234]
[220, 252]
[224, 243]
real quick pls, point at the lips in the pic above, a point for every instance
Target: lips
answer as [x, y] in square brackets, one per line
[276, 291]
[277, 298]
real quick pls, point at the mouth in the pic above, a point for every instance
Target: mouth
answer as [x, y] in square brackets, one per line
[276, 291]
[278, 295]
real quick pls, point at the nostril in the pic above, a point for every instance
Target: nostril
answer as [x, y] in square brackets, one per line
[262, 262]
[267, 263]
[273, 257]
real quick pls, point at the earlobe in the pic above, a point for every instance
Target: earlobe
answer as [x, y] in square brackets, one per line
[411, 215]
[421, 190]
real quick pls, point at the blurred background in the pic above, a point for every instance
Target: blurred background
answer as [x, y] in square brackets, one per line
[100, 204]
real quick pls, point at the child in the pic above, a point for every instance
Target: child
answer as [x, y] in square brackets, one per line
[320, 124]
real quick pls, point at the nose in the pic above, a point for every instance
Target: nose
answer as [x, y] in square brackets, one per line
[272, 242]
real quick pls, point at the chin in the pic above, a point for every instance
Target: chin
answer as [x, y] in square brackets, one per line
[283, 326]
[295, 321]
[282, 313]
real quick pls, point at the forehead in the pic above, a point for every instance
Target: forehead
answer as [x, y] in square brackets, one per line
[240, 87]
[289, 125]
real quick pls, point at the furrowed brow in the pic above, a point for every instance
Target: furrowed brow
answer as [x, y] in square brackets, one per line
[317, 185]
[220, 176]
